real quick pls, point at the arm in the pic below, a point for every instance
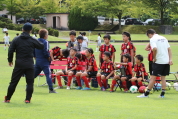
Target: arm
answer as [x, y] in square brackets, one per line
[11, 52]
[38, 44]
[113, 58]
[154, 54]
[133, 73]
[45, 50]
[89, 69]
[74, 67]
[147, 48]
[51, 54]
[170, 56]
[132, 55]
[143, 76]
[99, 59]
[112, 72]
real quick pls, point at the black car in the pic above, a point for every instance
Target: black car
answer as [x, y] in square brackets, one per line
[133, 21]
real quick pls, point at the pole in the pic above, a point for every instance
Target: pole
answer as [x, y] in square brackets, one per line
[11, 9]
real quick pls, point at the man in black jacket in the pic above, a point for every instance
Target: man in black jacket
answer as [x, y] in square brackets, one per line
[24, 46]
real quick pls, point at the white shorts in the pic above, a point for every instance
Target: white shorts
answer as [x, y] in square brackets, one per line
[6, 42]
[99, 44]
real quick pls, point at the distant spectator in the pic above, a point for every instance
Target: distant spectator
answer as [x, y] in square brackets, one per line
[35, 35]
[6, 39]
[5, 30]
[17, 34]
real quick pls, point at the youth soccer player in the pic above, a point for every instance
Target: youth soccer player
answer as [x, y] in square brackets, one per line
[91, 70]
[72, 62]
[107, 71]
[107, 47]
[139, 71]
[6, 40]
[127, 64]
[57, 53]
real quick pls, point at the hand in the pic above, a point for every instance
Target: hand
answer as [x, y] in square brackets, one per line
[49, 58]
[144, 80]
[154, 60]
[10, 64]
[170, 62]
[117, 63]
[107, 77]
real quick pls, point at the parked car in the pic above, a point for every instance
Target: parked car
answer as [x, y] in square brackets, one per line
[3, 15]
[133, 21]
[152, 20]
[42, 20]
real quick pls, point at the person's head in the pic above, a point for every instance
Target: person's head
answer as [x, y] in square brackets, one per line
[73, 51]
[126, 58]
[150, 33]
[6, 34]
[17, 34]
[72, 35]
[80, 33]
[106, 56]
[27, 27]
[84, 33]
[99, 34]
[43, 33]
[65, 52]
[79, 56]
[80, 39]
[138, 58]
[89, 52]
[107, 39]
[126, 36]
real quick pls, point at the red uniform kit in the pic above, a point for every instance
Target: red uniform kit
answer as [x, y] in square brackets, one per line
[56, 53]
[104, 48]
[106, 69]
[126, 48]
[92, 62]
[71, 62]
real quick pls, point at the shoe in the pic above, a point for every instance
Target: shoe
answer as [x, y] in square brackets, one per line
[79, 88]
[142, 96]
[6, 101]
[86, 88]
[161, 96]
[52, 91]
[27, 101]
[68, 88]
[103, 89]
[111, 91]
[125, 90]
[59, 87]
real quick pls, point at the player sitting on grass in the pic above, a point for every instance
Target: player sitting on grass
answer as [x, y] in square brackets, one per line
[107, 47]
[72, 62]
[127, 64]
[139, 70]
[57, 53]
[107, 71]
[91, 70]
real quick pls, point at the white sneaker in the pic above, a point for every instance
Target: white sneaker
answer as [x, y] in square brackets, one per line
[59, 87]
[68, 88]
[142, 96]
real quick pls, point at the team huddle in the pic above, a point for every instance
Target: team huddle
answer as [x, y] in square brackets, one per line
[135, 72]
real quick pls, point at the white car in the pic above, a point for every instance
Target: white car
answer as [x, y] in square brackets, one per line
[146, 22]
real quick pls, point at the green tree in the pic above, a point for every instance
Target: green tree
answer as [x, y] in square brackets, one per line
[2, 4]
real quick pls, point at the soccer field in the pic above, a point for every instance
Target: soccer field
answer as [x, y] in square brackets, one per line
[94, 104]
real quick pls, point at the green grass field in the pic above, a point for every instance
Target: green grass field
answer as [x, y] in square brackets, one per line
[94, 104]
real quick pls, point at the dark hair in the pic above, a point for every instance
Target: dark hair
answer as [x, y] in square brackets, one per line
[79, 55]
[80, 33]
[150, 31]
[72, 33]
[139, 57]
[99, 34]
[17, 34]
[74, 49]
[80, 37]
[84, 33]
[127, 34]
[108, 54]
[90, 50]
[65, 52]
[127, 56]
[42, 33]
[107, 36]
[35, 34]
[6, 33]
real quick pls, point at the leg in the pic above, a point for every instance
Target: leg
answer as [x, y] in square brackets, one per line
[99, 79]
[150, 85]
[140, 81]
[84, 77]
[124, 83]
[47, 73]
[16, 75]
[133, 79]
[69, 78]
[114, 81]
[163, 85]
[58, 75]
[78, 79]
[29, 73]
[103, 80]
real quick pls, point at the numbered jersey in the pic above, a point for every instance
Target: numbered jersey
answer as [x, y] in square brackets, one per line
[72, 62]
[107, 67]
[139, 69]
[92, 62]
[128, 68]
[127, 47]
[110, 48]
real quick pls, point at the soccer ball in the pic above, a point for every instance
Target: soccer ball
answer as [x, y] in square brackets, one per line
[168, 85]
[142, 89]
[175, 85]
[133, 89]
[158, 86]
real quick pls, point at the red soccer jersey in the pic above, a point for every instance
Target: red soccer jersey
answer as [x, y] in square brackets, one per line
[107, 67]
[72, 62]
[150, 55]
[109, 48]
[139, 69]
[126, 48]
[56, 53]
[128, 68]
[92, 62]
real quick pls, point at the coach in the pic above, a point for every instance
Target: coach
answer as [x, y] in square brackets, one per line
[24, 46]
[162, 59]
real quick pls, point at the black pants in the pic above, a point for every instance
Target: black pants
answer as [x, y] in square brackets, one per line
[16, 75]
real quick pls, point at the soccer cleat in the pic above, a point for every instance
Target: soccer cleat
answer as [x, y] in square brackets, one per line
[79, 88]
[142, 96]
[161, 96]
[59, 87]
[86, 88]
[27, 101]
[52, 91]
[103, 89]
[68, 88]
[111, 91]
[125, 90]
[5, 100]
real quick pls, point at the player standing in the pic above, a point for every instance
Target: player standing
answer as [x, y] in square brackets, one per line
[6, 40]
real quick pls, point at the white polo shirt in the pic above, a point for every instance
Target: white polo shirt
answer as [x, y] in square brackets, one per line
[6, 38]
[162, 45]
[85, 39]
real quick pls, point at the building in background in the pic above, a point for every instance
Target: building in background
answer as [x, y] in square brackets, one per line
[4, 12]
